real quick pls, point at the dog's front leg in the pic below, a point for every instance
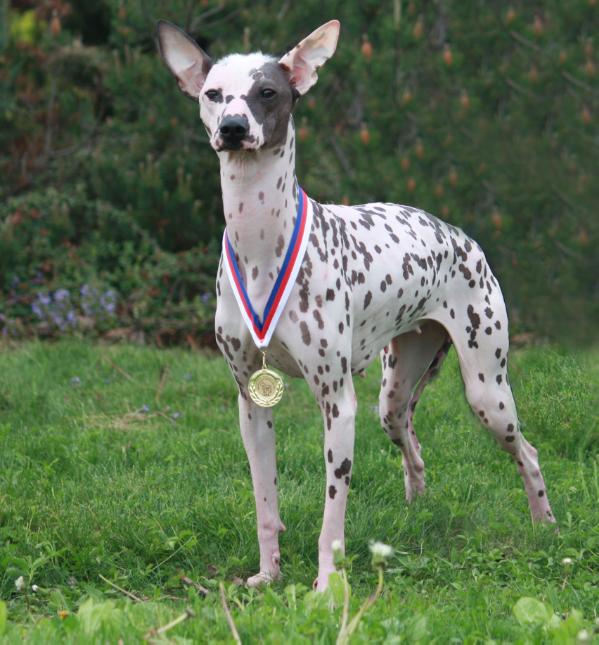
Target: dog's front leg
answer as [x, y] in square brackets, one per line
[339, 413]
[257, 433]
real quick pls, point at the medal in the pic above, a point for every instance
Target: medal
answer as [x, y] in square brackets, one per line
[265, 386]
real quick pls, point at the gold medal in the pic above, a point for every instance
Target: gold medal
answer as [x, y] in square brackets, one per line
[265, 386]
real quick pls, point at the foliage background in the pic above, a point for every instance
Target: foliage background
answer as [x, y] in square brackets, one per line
[484, 113]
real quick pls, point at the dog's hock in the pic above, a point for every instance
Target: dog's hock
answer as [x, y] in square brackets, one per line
[184, 58]
[310, 54]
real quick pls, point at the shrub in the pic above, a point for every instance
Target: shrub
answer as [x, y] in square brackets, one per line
[483, 115]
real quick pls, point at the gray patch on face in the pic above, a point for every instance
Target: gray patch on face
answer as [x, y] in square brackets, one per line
[272, 114]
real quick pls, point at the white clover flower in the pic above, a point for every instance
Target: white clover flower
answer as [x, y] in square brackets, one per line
[34, 588]
[338, 558]
[381, 550]
[567, 562]
[583, 636]
[380, 553]
[20, 583]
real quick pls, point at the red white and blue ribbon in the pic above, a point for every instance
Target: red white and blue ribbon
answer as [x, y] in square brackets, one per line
[262, 328]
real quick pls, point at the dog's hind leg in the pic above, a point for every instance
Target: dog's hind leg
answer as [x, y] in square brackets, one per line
[479, 330]
[409, 362]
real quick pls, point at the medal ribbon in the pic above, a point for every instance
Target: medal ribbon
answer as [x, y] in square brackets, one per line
[263, 328]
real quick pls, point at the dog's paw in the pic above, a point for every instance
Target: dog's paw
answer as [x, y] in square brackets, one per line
[262, 578]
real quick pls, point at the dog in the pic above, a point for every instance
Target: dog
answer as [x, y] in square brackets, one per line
[375, 279]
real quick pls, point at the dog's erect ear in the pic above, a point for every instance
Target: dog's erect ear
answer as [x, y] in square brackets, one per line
[184, 57]
[312, 52]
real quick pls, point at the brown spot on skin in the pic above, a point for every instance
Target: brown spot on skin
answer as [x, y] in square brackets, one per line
[367, 299]
[293, 316]
[254, 273]
[541, 493]
[280, 245]
[510, 438]
[335, 410]
[332, 492]
[481, 378]
[473, 316]
[344, 469]
[510, 427]
[330, 295]
[318, 318]
[261, 197]
[240, 207]
[330, 456]
[305, 332]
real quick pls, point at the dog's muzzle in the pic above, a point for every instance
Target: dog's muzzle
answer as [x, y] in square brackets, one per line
[233, 130]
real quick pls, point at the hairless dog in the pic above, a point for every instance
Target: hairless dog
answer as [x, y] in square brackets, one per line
[324, 289]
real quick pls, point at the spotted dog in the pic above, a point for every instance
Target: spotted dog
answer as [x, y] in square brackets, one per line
[376, 279]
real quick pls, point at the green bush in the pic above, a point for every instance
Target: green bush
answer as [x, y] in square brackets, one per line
[482, 114]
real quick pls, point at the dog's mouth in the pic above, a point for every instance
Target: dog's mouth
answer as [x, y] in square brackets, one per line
[233, 144]
[248, 144]
[229, 146]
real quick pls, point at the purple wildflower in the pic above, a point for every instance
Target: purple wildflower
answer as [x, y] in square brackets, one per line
[108, 301]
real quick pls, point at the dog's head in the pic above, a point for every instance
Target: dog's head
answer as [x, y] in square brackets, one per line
[246, 99]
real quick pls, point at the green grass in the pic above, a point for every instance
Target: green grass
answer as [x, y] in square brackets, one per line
[91, 485]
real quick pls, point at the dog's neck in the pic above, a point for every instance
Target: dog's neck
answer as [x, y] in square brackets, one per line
[260, 198]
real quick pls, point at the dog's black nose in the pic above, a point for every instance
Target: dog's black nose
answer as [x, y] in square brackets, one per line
[233, 129]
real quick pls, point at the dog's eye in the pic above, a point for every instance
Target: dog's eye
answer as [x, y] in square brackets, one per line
[267, 93]
[213, 94]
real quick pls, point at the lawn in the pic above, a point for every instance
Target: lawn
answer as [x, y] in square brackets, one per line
[125, 499]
